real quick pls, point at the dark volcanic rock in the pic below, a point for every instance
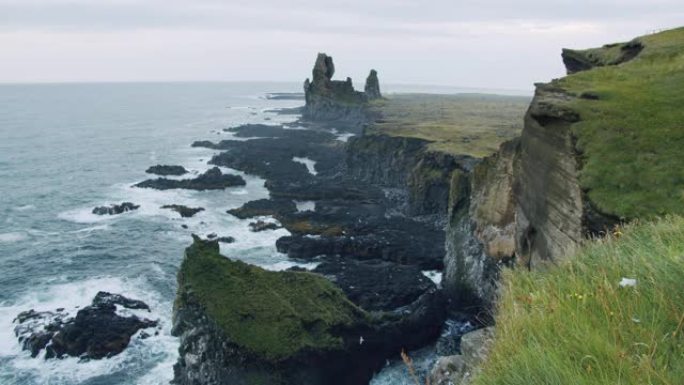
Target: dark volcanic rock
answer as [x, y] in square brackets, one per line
[264, 207]
[115, 209]
[226, 239]
[213, 179]
[257, 130]
[166, 170]
[96, 332]
[375, 284]
[360, 230]
[184, 211]
[263, 226]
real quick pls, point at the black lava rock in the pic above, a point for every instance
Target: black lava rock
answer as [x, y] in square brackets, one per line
[166, 170]
[213, 179]
[115, 209]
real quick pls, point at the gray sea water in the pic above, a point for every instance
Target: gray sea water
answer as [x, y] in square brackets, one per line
[67, 148]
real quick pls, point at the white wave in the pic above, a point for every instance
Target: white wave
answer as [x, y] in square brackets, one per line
[25, 208]
[83, 215]
[12, 237]
[309, 163]
[284, 265]
[159, 350]
[434, 275]
[305, 205]
[91, 229]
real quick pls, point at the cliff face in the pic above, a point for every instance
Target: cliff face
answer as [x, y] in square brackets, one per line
[591, 155]
[336, 100]
[481, 227]
[408, 165]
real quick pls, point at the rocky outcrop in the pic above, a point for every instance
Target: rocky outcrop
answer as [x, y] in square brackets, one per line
[372, 88]
[335, 100]
[264, 207]
[212, 179]
[115, 209]
[461, 368]
[97, 331]
[611, 54]
[239, 324]
[165, 170]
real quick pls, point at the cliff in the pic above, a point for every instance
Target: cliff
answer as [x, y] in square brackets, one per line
[336, 100]
[598, 148]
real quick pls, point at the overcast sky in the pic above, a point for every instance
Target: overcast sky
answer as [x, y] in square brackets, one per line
[470, 43]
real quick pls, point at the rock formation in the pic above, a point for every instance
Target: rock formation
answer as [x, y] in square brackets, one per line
[372, 88]
[240, 324]
[97, 331]
[336, 100]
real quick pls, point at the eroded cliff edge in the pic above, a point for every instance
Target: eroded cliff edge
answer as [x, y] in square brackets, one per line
[598, 147]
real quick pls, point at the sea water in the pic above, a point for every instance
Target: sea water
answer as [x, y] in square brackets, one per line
[65, 149]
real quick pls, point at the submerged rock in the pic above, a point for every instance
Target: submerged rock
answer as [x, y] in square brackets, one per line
[213, 179]
[166, 170]
[96, 332]
[263, 226]
[115, 209]
[184, 211]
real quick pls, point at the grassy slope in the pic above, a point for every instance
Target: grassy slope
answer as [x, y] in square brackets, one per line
[273, 314]
[574, 325]
[470, 124]
[633, 136]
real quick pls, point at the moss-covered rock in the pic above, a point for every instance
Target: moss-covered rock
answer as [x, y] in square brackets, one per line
[275, 315]
[240, 324]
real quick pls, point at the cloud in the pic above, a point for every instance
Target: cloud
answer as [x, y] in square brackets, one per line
[490, 43]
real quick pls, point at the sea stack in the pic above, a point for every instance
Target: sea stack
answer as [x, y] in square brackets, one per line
[336, 100]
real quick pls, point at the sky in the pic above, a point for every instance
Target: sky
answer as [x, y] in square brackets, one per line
[498, 44]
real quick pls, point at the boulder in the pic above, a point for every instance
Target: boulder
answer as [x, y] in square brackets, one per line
[461, 368]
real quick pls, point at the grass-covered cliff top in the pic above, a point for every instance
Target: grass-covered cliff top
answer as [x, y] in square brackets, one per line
[633, 135]
[575, 324]
[275, 315]
[468, 124]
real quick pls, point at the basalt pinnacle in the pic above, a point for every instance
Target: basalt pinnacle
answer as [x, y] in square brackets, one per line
[336, 100]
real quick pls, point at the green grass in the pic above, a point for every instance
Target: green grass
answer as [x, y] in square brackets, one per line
[275, 315]
[467, 124]
[574, 325]
[632, 138]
